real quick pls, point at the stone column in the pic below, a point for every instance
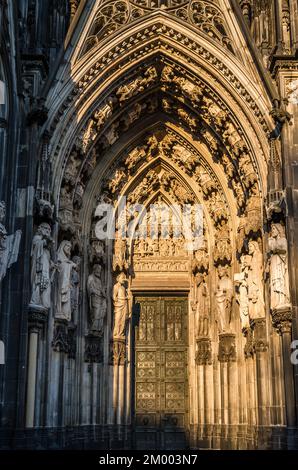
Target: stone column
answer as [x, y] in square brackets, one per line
[282, 321]
[118, 361]
[205, 385]
[94, 357]
[249, 353]
[261, 348]
[227, 358]
[36, 321]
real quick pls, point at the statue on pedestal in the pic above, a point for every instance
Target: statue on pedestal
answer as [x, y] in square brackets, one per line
[278, 264]
[65, 267]
[241, 282]
[255, 282]
[121, 307]
[202, 306]
[41, 265]
[97, 301]
[224, 297]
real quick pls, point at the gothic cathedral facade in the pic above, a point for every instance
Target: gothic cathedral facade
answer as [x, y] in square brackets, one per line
[149, 342]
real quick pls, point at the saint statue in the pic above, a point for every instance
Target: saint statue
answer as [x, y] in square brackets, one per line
[9, 245]
[65, 268]
[255, 282]
[41, 266]
[75, 289]
[121, 308]
[97, 301]
[278, 262]
[202, 306]
[241, 282]
[224, 297]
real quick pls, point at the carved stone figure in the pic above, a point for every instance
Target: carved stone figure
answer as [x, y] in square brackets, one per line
[234, 139]
[188, 89]
[121, 307]
[41, 266]
[224, 297]
[9, 245]
[75, 288]
[104, 113]
[97, 301]
[65, 267]
[255, 282]
[216, 113]
[241, 282]
[202, 306]
[134, 157]
[222, 249]
[120, 254]
[136, 86]
[278, 262]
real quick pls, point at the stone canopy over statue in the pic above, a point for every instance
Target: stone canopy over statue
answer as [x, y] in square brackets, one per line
[9, 245]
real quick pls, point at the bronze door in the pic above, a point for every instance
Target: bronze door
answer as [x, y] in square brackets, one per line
[161, 375]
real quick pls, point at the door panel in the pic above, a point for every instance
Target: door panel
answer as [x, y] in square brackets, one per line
[161, 387]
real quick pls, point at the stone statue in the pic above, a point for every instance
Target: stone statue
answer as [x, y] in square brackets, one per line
[97, 301]
[202, 306]
[120, 254]
[9, 245]
[278, 263]
[65, 267]
[75, 288]
[224, 297]
[121, 308]
[241, 282]
[41, 266]
[255, 282]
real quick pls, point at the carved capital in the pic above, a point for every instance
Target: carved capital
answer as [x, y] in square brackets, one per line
[204, 352]
[37, 317]
[282, 319]
[93, 350]
[118, 352]
[260, 335]
[227, 348]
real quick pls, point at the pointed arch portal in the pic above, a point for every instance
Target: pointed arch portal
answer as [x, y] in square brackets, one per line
[155, 104]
